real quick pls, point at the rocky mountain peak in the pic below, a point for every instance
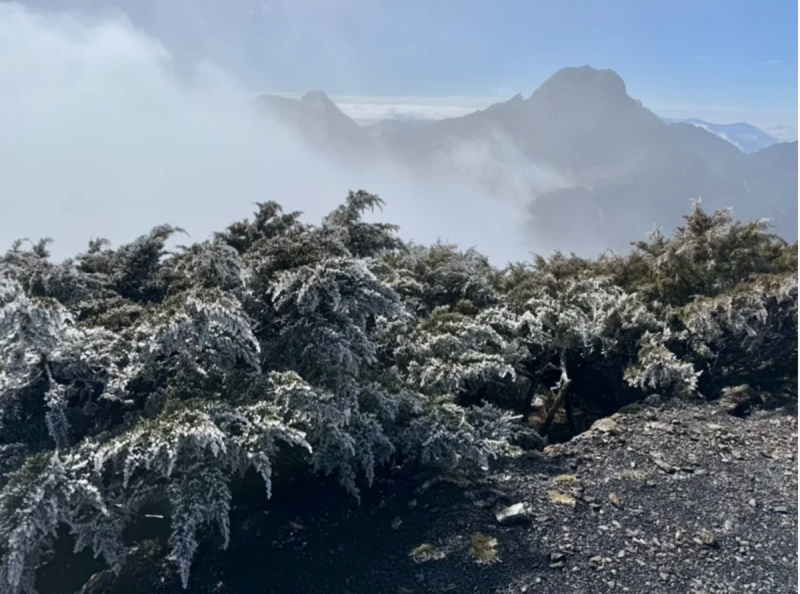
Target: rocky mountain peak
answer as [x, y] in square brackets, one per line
[584, 80]
[316, 98]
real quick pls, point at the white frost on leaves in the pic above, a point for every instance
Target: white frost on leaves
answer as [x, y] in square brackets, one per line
[135, 374]
[659, 368]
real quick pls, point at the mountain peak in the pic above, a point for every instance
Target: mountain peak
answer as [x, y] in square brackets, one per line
[316, 98]
[585, 79]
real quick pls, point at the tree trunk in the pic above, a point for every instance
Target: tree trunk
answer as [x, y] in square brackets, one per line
[563, 387]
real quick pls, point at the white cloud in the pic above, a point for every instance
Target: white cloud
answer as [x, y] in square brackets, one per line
[101, 136]
[366, 109]
[726, 114]
[782, 132]
[369, 113]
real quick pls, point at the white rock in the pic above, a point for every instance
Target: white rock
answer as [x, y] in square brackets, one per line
[512, 514]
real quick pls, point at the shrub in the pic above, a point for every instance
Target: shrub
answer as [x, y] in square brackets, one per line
[144, 375]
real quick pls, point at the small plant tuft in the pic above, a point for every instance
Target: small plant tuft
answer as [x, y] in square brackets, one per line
[484, 549]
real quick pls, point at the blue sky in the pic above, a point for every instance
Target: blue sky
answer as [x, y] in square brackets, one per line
[718, 59]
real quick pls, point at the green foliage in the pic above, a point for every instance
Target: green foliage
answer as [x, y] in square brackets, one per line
[709, 255]
[139, 375]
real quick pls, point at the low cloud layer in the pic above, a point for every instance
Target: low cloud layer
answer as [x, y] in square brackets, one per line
[369, 113]
[104, 135]
[366, 110]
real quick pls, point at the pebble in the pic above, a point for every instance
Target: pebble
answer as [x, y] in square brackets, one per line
[708, 538]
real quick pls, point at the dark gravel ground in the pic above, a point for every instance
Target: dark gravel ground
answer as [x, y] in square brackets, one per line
[678, 499]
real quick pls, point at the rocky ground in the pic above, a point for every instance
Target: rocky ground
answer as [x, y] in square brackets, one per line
[658, 498]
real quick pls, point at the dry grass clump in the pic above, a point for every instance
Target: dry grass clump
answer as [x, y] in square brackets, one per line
[566, 479]
[560, 498]
[426, 552]
[484, 549]
[635, 474]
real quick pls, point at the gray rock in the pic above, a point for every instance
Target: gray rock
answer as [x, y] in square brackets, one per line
[501, 495]
[653, 400]
[615, 500]
[658, 461]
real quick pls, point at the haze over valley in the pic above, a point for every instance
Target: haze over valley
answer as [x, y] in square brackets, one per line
[589, 165]
[115, 130]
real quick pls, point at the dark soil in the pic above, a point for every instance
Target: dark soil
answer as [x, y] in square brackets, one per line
[657, 499]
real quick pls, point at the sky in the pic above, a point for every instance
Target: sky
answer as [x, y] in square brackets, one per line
[720, 60]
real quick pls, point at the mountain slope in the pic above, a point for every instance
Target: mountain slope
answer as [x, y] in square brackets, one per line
[776, 168]
[780, 157]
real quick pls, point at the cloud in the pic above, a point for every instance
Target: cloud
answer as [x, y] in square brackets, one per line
[726, 114]
[782, 132]
[103, 135]
[366, 109]
[369, 113]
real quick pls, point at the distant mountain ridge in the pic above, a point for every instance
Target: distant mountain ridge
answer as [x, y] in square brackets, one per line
[627, 169]
[744, 136]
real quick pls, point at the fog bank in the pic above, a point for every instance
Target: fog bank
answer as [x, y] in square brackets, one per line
[104, 135]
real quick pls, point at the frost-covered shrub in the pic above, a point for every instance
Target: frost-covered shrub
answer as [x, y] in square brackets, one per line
[658, 368]
[139, 375]
[579, 330]
[709, 255]
[441, 275]
[142, 375]
[449, 364]
[726, 296]
[747, 335]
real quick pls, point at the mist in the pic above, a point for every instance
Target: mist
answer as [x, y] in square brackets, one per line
[105, 134]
